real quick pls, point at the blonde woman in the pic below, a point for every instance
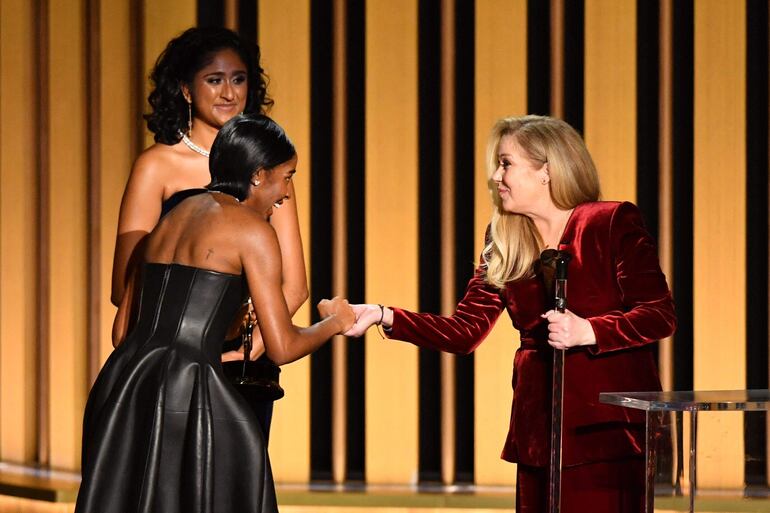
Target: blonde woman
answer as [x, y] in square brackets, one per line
[545, 190]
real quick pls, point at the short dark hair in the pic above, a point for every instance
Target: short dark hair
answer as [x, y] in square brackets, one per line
[183, 57]
[244, 145]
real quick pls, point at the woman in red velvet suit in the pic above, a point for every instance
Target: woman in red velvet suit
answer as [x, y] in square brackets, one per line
[545, 189]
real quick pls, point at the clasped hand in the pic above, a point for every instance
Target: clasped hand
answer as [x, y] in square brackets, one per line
[340, 309]
[567, 330]
[366, 316]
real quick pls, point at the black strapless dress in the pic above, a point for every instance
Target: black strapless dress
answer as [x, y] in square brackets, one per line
[261, 385]
[164, 430]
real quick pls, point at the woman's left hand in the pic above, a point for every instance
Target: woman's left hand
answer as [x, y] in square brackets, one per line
[567, 330]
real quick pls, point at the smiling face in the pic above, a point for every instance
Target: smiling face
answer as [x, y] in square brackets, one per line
[522, 183]
[273, 186]
[219, 90]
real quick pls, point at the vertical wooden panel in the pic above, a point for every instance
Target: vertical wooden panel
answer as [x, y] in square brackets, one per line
[118, 133]
[501, 79]
[719, 231]
[610, 94]
[557, 58]
[287, 63]
[666, 162]
[391, 235]
[340, 250]
[162, 21]
[68, 217]
[231, 14]
[93, 84]
[448, 238]
[42, 235]
[18, 229]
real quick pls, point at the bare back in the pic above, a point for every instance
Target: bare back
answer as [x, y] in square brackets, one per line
[212, 231]
[206, 231]
[163, 170]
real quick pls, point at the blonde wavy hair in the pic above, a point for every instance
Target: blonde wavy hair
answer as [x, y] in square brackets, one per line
[514, 243]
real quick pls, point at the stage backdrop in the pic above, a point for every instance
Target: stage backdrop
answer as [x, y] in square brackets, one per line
[389, 103]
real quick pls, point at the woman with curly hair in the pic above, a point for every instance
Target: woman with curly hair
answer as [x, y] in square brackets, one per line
[202, 79]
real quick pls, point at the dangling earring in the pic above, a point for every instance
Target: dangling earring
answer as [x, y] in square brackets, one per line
[255, 183]
[189, 118]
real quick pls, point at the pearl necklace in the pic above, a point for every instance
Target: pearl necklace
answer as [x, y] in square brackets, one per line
[194, 147]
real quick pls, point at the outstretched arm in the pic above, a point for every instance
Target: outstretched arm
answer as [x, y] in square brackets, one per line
[460, 332]
[284, 342]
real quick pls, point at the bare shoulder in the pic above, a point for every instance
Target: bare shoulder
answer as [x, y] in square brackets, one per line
[156, 161]
[252, 224]
[255, 234]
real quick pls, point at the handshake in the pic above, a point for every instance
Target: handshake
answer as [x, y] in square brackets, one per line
[354, 320]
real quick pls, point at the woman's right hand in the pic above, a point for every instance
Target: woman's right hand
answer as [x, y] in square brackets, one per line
[340, 309]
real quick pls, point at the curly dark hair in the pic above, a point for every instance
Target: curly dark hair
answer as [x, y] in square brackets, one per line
[182, 58]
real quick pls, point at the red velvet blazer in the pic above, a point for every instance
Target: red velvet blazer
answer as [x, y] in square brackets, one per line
[616, 283]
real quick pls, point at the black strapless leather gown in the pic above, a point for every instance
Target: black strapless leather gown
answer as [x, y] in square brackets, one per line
[164, 431]
[262, 387]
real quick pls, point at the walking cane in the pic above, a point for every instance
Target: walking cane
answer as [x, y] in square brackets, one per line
[557, 392]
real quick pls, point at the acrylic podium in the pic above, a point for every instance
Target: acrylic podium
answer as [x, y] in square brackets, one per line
[656, 404]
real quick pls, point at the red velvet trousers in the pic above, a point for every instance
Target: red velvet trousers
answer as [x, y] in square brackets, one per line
[606, 487]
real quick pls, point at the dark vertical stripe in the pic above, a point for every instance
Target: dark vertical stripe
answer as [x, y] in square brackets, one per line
[320, 242]
[574, 44]
[755, 433]
[682, 144]
[136, 39]
[93, 92]
[44, 232]
[647, 112]
[210, 13]
[248, 16]
[464, 230]
[538, 57]
[682, 202]
[683, 197]
[647, 115]
[356, 146]
[429, 78]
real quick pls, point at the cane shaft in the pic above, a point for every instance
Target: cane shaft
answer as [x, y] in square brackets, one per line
[557, 397]
[554, 483]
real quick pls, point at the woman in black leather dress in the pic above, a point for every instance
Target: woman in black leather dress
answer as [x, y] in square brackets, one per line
[164, 430]
[203, 78]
